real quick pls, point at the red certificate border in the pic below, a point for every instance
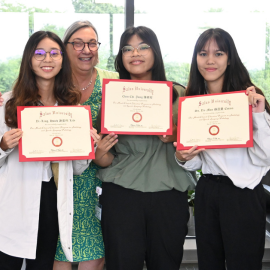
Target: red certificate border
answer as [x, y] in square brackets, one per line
[106, 131]
[180, 146]
[23, 158]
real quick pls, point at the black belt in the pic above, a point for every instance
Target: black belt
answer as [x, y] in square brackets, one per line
[218, 178]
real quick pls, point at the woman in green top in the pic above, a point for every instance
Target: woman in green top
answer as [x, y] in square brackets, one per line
[144, 197]
[81, 40]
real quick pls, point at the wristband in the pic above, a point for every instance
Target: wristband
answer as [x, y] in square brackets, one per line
[181, 161]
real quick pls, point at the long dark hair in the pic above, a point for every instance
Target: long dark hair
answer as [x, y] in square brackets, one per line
[149, 37]
[25, 91]
[236, 75]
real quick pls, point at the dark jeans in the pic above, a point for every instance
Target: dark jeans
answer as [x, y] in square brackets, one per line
[47, 235]
[230, 225]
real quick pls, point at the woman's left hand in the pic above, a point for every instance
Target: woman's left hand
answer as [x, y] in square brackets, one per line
[169, 138]
[94, 135]
[257, 101]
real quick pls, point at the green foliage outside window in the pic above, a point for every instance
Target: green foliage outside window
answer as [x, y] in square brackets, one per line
[8, 73]
[8, 7]
[60, 31]
[177, 72]
[89, 6]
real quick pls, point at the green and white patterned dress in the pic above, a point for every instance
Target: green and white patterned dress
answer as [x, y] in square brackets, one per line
[87, 241]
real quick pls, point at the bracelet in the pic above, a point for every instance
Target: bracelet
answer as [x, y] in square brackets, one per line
[181, 161]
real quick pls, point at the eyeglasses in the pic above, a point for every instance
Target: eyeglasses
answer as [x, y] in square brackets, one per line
[40, 54]
[142, 49]
[79, 45]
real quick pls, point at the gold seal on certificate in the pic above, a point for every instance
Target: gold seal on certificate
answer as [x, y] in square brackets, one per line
[214, 130]
[137, 117]
[51, 133]
[57, 141]
[215, 121]
[136, 107]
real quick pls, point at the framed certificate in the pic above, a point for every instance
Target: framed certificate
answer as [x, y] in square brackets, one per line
[136, 107]
[215, 121]
[55, 133]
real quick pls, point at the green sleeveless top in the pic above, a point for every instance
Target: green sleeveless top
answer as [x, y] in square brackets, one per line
[145, 163]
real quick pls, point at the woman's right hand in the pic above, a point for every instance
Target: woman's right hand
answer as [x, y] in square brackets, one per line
[185, 155]
[105, 144]
[11, 139]
[104, 158]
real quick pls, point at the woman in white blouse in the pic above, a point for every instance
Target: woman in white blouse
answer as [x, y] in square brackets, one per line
[28, 201]
[229, 204]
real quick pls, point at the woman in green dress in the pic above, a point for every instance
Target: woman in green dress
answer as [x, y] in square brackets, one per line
[81, 40]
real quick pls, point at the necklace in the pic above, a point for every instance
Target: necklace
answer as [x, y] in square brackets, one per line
[84, 88]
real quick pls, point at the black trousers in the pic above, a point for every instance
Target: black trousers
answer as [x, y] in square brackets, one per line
[230, 225]
[143, 226]
[47, 235]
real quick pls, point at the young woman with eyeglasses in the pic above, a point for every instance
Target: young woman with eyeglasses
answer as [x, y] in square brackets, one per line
[28, 203]
[229, 203]
[144, 198]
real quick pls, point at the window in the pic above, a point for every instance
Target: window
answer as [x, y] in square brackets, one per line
[179, 23]
[176, 23]
[19, 19]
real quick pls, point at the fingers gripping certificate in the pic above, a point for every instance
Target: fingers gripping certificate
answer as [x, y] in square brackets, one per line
[55, 133]
[215, 121]
[136, 107]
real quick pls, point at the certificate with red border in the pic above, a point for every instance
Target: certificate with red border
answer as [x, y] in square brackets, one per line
[215, 121]
[55, 133]
[136, 107]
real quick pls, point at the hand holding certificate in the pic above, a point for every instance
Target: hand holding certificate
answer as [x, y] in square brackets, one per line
[136, 107]
[55, 133]
[215, 121]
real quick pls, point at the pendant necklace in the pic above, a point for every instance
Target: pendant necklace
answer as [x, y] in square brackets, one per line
[84, 88]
